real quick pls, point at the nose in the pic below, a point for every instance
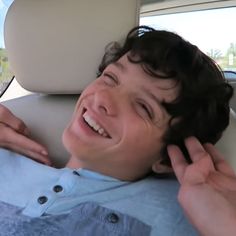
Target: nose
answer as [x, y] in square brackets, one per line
[105, 102]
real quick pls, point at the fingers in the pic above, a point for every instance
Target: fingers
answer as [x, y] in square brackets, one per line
[23, 145]
[7, 118]
[202, 162]
[14, 135]
[178, 161]
[195, 149]
[206, 158]
[32, 154]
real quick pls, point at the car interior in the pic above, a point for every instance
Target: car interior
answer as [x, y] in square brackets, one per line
[54, 49]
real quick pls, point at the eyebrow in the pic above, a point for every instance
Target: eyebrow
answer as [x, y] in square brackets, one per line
[120, 66]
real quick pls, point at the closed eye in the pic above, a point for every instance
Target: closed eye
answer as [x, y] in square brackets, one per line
[146, 109]
[110, 79]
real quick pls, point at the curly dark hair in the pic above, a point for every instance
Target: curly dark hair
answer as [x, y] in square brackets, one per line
[202, 105]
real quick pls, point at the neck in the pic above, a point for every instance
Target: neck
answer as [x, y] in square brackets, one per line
[115, 172]
[73, 163]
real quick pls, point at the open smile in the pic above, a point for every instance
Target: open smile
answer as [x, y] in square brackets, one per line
[94, 125]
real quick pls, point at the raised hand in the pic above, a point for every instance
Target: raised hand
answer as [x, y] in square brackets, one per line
[208, 188]
[14, 135]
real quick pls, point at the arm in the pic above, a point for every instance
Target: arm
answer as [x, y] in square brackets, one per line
[208, 188]
[14, 135]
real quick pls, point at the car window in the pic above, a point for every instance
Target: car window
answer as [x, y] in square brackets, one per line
[230, 75]
[212, 30]
[5, 72]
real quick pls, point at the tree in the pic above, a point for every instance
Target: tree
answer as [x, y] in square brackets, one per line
[232, 49]
[215, 54]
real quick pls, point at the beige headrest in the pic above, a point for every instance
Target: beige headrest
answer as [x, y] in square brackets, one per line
[55, 46]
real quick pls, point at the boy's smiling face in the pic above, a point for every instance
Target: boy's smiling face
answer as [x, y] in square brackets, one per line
[118, 123]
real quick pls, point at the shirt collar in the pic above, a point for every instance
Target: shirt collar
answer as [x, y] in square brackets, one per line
[94, 175]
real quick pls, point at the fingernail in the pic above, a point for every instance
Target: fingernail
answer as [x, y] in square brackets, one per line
[45, 153]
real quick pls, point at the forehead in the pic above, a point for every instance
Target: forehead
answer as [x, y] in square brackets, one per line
[138, 77]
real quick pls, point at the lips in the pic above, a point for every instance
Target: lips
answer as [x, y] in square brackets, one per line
[95, 125]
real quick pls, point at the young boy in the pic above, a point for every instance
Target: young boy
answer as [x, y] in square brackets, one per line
[155, 90]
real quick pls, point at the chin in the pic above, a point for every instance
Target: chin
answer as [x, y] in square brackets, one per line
[73, 147]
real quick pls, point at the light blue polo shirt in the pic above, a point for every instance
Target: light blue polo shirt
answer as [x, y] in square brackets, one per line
[40, 191]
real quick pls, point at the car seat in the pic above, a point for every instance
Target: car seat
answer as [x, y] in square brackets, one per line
[54, 50]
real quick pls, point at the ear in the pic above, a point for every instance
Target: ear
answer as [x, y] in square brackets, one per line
[160, 168]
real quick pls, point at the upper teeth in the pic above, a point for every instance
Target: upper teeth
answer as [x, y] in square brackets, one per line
[92, 123]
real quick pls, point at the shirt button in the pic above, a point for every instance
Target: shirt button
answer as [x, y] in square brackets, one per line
[57, 188]
[42, 199]
[112, 218]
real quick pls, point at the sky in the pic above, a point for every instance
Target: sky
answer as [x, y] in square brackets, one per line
[4, 4]
[209, 29]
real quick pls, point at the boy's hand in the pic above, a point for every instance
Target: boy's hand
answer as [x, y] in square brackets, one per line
[208, 188]
[14, 135]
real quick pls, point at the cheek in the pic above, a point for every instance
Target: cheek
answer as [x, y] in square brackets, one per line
[69, 137]
[140, 154]
[143, 139]
[71, 142]
[146, 146]
[90, 89]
